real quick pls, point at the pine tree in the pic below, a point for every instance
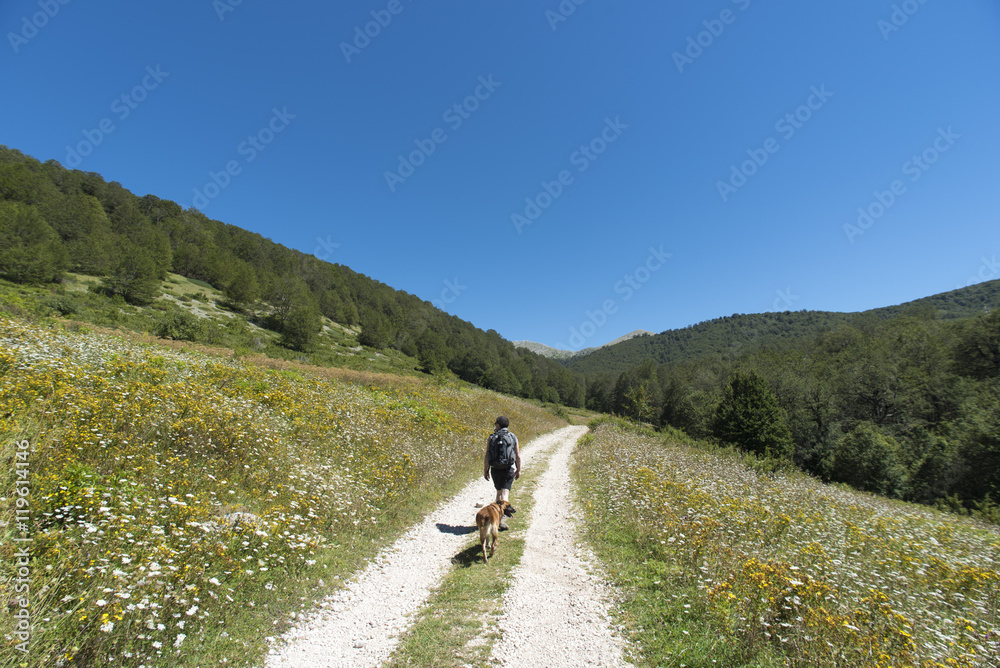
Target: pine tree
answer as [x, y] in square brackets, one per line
[85, 230]
[867, 459]
[243, 288]
[432, 352]
[301, 326]
[135, 275]
[749, 417]
[375, 330]
[30, 250]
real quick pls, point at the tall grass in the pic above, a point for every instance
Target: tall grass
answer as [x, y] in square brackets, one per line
[723, 565]
[185, 506]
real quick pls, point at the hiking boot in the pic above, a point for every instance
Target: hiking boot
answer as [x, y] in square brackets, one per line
[503, 525]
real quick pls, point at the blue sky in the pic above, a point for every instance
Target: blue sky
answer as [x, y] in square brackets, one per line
[559, 172]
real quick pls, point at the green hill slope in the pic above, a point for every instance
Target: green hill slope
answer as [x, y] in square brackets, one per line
[734, 335]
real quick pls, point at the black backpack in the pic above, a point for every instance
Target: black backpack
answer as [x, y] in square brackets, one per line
[502, 449]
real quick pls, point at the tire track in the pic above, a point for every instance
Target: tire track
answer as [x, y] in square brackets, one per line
[555, 611]
[360, 625]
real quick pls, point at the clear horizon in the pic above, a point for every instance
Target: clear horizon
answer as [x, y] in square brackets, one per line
[573, 166]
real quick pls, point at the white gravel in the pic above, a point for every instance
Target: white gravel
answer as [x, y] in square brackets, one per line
[360, 625]
[555, 611]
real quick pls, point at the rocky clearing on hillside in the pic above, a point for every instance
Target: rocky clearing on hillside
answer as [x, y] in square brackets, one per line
[554, 611]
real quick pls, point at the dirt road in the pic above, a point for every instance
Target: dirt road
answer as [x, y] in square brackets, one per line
[554, 610]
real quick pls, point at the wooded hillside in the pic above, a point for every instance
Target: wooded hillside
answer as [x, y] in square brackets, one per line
[53, 219]
[734, 335]
[908, 406]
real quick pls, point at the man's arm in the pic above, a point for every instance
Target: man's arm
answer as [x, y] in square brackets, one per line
[517, 459]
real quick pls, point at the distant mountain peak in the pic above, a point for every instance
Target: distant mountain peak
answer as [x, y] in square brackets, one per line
[544, 350]
[630, 335]
[556, 353]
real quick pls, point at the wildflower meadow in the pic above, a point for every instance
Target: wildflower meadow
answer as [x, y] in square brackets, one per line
[719, 562]
[179, 507]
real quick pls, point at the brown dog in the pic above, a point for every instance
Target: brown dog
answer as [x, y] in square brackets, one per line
[488, 520]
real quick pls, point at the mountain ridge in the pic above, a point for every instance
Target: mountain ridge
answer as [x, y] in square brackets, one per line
[732, 335]
[560, 354]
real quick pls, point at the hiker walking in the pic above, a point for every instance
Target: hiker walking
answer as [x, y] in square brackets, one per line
[502, 460]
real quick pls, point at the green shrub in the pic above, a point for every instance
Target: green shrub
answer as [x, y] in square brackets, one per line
[179, 325]
[63, 304]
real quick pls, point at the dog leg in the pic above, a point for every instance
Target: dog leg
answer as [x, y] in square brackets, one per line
[495, 534]
[484, 538]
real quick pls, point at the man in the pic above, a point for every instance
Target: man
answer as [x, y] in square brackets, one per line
[504, 472]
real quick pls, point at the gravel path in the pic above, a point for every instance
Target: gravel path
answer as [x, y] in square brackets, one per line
[555, 611]
[360, 625]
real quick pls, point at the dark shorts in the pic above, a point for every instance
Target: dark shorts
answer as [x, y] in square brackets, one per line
[503, 478]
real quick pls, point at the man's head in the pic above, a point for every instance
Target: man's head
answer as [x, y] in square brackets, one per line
[502, 422]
